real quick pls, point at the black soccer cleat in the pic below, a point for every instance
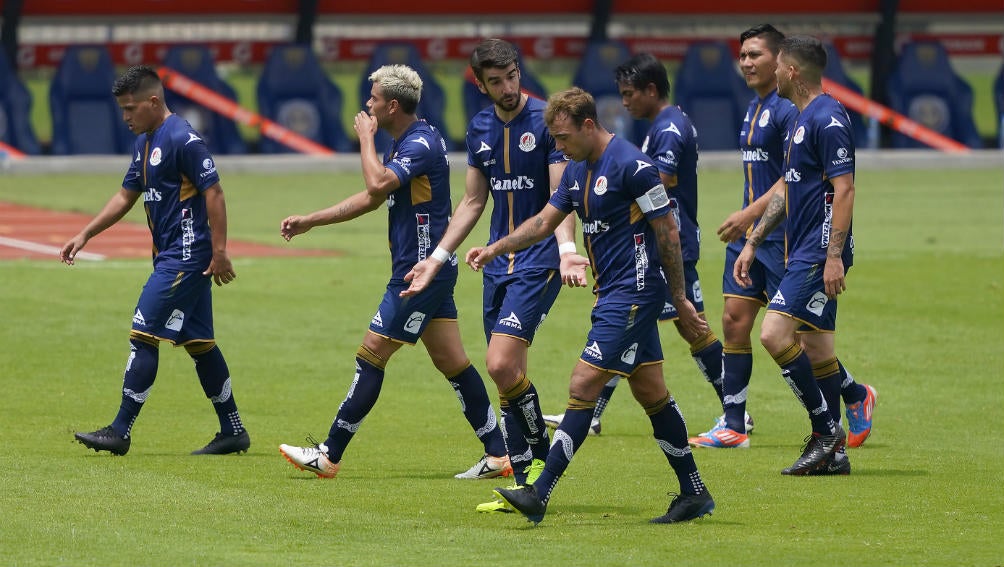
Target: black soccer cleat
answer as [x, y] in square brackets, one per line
[104, 439]
[525, 500]
[226, 444]
[817, 449]
[686, 507]
[837, 464]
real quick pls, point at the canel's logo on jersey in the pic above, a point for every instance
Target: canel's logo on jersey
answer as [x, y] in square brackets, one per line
[484, 148]
[601, 185]
[672, 128]
[520, 182]
[192, 138]
[792, 176]
[151, 195]
[799, 135]
[527, 142]
[423, 141]
[758, 154]
[414, 322]
[155, 156]
[764, 118]
[833, 122]
[641, 164]
[594, 227]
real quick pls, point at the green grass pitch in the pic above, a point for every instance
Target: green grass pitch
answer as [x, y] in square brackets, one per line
[921, 321]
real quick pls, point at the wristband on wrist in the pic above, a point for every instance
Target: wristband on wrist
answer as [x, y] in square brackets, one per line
[566, 248]
[441, 254]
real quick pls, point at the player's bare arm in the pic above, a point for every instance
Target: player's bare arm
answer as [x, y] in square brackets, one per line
[843, 207]
[532, 230]
[117, 206]
[572, 266]
[772, 217]
[220, 267]
[352, 207]
[667, 237]
[736, 225]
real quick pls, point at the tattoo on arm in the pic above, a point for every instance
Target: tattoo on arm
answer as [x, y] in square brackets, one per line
[837, 239]
[671, 256]
[772, 217]
[526, 234]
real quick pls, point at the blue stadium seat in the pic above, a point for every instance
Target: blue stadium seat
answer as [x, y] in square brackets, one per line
[926, 89]
[196, 63]
[85, 117]
[474, 100]
[835, 72]
[999, 105]
[296, 93]
[15, 111]
[711, 91]
[596, 75]
[431, 107]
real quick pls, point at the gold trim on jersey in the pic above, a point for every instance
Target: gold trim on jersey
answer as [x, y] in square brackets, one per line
[187, 189]
[421, 190]
[512, 222]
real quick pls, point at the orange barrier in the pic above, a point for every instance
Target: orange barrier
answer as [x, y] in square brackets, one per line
[11, 151]
[887, 116]
[214, 101]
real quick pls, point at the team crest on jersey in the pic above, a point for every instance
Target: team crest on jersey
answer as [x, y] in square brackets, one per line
[627, 357]
[593, 351]
[414, 322]
[155, 156]
[764, 118]
[484, 148]
[601, 185]
[527, 142]
[799, 135]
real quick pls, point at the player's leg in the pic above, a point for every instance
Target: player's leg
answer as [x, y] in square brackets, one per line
[705, 348]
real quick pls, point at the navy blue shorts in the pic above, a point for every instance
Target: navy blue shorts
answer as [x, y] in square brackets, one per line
[693, 283]
[403, 319]
[175, 307]
[516, 304]
[801, 296]
[623, 337]
[766, 271]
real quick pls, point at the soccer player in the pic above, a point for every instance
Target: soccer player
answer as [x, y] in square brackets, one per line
[185, 209]
[512, 157]
[629, 234]
[671, 143]
[768, 121]
[413, 180]
[817, 200]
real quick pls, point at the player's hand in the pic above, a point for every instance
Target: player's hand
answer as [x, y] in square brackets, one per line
[293, 225]
[221, 269]
[573, 270]
[479, 256]
[364, 124]
[70, 249]
[741, 269]
[833, 277]
[691, 323]
[734, 227]
[420, 276]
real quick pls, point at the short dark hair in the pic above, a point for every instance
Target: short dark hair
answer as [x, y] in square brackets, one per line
[136, 79]
[808, 52]
[493, 53]
[768, 33]
[575, 103]
[642, 69]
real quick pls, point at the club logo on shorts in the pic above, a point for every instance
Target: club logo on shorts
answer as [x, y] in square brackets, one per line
[593, 351]
[527, 142]
[627, 357]
[414, 323]
[816, 303]
[176, 320]
[155, 156]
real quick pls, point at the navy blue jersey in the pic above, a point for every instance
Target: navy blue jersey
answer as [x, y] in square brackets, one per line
[418, 210]
[171, 169]
[619, 241]
[671, 142]
[761, 142]
[820, 148]
[514, 157]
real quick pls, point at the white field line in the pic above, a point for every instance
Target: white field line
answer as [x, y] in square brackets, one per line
[45, 248]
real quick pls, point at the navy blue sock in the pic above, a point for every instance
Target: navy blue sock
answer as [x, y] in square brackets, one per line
[707, 353]
[478, 410]
[851, 391]
[516, 445]
[827, 376]
[140, 372]
[524, 405]
[797, 372]
[358, 402]
[215, 379]
[605, 395]
[567, 439]
[737, 367]
[670, 432]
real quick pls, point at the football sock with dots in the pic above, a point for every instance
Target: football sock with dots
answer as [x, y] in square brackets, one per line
[605, 395]
[214, 375]
[707, 353]
[478, 410]
[737, 367]
[670, 433]
[140, 372]
[797, 372]
[358, 402]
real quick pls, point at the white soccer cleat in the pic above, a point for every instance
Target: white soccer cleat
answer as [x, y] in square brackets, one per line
[488, 467]
[553, 421]
[311, 459]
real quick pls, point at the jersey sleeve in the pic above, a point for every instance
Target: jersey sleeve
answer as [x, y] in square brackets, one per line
[132, 180]
[196, 163]
[836, 144]
[414, 156]
[646, 188]
[667, 148]
[561, 199]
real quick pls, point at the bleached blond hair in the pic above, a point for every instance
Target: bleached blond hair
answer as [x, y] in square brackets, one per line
[400, 83]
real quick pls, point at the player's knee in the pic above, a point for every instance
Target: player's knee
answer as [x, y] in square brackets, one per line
[199, 347]
[502, 370]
